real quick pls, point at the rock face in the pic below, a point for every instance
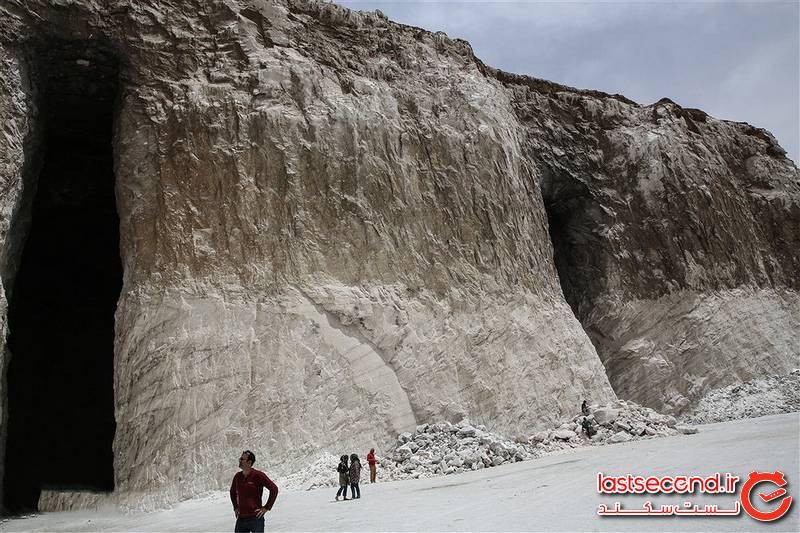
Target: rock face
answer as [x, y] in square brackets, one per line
[334, 228]
[676, 238]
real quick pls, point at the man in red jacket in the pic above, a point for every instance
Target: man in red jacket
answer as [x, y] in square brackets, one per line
[246, 490]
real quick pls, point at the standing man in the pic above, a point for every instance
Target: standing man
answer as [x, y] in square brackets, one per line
[246, 490]
[373, 468]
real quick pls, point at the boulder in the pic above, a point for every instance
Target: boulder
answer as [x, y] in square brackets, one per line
[620, 436]
[467, 431]
[605, 415]
[564, 434]
[621, 424]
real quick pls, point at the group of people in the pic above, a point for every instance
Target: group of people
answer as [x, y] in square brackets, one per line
[248, 487]
[350, 475]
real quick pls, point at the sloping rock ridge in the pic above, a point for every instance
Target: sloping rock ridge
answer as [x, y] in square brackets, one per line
[334, 228]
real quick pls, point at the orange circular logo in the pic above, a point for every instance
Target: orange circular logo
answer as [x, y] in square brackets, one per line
[776, 478]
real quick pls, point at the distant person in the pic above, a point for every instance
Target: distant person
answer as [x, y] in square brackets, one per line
[344, 478]
[246, 490]
[588, 428]
[355, 476]
[373, 465]
[584, 408]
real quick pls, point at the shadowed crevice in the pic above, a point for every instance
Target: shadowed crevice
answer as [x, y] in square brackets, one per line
[61, 316]
[573, 225]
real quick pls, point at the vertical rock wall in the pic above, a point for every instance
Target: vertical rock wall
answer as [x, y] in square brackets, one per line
[676, 237]
[322, 245]
[19, 146]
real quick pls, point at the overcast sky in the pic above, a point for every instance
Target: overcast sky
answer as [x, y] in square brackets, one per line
[735, 60]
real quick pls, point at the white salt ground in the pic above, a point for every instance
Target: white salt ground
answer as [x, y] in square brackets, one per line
[552, 493]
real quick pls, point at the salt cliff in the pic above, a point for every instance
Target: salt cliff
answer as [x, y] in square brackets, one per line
[333, 227]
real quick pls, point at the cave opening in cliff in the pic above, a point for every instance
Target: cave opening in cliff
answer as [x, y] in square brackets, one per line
[60, 424]
[571, 226]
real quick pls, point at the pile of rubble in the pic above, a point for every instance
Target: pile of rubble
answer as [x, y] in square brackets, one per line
[758, 397]
[444, 448]
[621, 421]
[321, 473]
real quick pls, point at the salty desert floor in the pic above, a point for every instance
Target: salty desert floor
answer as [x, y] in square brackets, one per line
[553, 493]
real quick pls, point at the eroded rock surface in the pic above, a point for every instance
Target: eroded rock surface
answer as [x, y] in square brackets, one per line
[320, 247]
[334, 228]
[676, 237]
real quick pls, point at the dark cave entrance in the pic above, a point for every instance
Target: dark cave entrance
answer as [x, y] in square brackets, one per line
[572, 222]
[60, 425]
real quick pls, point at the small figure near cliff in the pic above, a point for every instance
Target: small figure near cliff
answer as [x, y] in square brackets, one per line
[344, 478]
[584, 408]
[355, 476]
[246, 491]
[588, 428]
[373, 465]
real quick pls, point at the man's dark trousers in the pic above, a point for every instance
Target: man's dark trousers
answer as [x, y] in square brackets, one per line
[246, 525]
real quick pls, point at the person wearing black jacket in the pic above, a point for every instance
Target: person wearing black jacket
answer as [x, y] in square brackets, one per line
[344, 478]
[588, 428]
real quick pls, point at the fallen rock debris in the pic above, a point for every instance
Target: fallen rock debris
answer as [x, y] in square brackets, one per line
[758, 397]
[443, 448]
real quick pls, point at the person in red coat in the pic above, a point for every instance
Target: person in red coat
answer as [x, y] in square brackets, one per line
[373, 465]
[246, 491]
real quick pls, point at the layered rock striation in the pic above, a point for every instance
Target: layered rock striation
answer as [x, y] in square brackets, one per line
[334, 228]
